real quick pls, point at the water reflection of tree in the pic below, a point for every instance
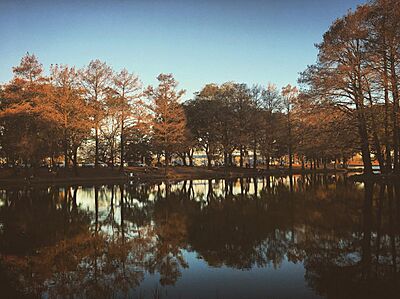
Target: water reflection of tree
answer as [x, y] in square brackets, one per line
[68, 256]
[361, 264]
[347, 239]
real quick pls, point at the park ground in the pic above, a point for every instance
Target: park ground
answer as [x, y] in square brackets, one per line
[115, 175]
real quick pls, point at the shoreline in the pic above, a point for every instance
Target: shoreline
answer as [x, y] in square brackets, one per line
[141, 174]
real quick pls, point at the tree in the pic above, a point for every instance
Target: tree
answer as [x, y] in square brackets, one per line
[272, 106]
[169, 124]
[66, 108]
[202, 121]
[25, 135]
[95, 80]
[126, 88]
[289, 95]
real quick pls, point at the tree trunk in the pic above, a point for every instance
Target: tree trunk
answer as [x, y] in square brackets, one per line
[241, 156]
[209, 160]
[190, 156]
[183, 157]
[122, 147]
[167, 159]
[290, 142]
[377, 143]
[365, 151]
[225, 159]
[96, 157]
[75, 160]
[255, 156]
[65, 149]
[395, 94]
[386, 120]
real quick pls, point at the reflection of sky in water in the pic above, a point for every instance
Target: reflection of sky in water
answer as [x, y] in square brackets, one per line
[224, 282]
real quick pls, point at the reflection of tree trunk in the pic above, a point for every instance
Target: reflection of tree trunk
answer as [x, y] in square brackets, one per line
[96, 204]
[291, 182]
[379, 224]
[269, 184]
[65, 210]
[367, 227]
[158, 191]
[122, 204]
[74, 203]
[183, 189]
[255, 183]
[225, 158]
[167, 190]
[191, 190]
[392, 225]
[111, 215]
[210, 191]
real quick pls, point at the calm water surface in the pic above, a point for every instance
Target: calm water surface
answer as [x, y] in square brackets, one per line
[300, 237]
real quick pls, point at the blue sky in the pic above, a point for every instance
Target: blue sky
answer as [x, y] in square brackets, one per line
[199, 41]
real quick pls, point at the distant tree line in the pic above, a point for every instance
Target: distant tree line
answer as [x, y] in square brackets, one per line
[97, 114]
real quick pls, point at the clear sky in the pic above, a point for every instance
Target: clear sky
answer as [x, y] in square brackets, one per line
[199, 41]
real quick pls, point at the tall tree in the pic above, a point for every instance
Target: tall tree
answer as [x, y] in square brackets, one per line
[95, 80]
[66, 107]
[169, 126]
[201, 114]
[126, 88]
[289, 95]
[24, 133]
[341, 73]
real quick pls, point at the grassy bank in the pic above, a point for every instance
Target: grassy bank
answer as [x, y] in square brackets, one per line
[108, 175]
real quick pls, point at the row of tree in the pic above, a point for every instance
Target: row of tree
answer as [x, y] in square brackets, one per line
[96, 114]
[93, 113]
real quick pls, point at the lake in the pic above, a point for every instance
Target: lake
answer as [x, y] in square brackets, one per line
[313, 236]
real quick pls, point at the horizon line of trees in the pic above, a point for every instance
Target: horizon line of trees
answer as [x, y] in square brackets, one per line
[348, 103]
[97, 114]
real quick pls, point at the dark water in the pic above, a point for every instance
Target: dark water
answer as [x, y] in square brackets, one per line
[305, 237]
